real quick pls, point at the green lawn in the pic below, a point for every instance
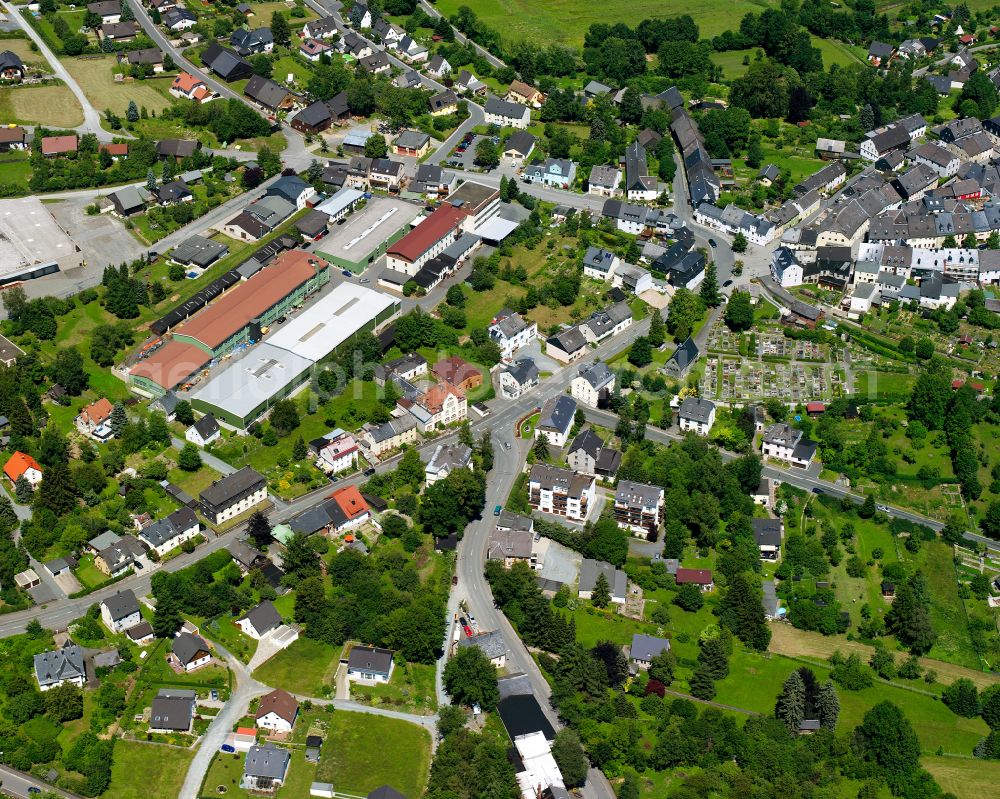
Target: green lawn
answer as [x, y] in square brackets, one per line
[362, 753]
[835, 52]
[15, 169]
[223, 630]
[162, 768]
[411, 689]
[88, 574]
[755, 681]
[193, 482]
[304, 668]
[225, 774]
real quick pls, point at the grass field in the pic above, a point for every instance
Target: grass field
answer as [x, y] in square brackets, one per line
[835, 52]
[362, 753]
[163, 769]
[964, 777]
[54, 106]
[411, 689]
[304, 668]
[96, 77]
[15, 168]
[22, 48]
[565, 21]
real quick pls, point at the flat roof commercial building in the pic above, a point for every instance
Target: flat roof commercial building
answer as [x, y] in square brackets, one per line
[247, 387]
[347, 309]
[32, 244]
[366, 234]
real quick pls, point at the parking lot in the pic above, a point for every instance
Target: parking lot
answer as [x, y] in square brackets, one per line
[464, 155]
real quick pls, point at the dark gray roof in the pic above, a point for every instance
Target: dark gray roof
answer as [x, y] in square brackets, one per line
[243, 554]
[60, 664]
[569, 340]
[367, 658]
[767, 532]
[686, 354]
[224, 490]
[646, 647]
[267, 761]
[597, 374]
[520, 141]
[171, 713]
[122, 604]
[589, 441]
[696, 408]
[265, 91]
[503, 108]
[206, 426]
[492, 644]
[186, 647]
[264, 617]
[523, 370]
[514, 521]
[557, 414]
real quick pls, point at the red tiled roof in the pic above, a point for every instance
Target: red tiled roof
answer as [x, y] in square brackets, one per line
[54, 145]
[97, 411]
[250, 299]
[350, 501]
[455, 370]
[428, 233]
[119, 148]
[171, 364]
[185, 82]
[433, 399]
[815, 407]
[696, 576]
[18, 464]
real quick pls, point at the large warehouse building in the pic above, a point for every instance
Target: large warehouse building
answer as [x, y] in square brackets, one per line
[235, 318]
[364, 235]
[247, 388]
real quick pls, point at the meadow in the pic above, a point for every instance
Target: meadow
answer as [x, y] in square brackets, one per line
[53, 105]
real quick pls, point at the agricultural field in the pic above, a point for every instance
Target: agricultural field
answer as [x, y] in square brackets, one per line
[96, 76]
[54, 106]
[565, 22]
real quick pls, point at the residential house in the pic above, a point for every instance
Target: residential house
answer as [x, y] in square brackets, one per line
[391, 435]
[251, 42]
[511, 332]
[118, 31]
[639, 184]
[233, 495]
[785, 268]
[246, 557]
[525, 94]
[591, 569]
[12, 137]
[314, 49]
[944, 162]
[323, 28]
[178, 19]
[684, 357]
[567, 345]
[646, 647]
[260, 620]
[339, 453]
[360, 16]
[880, 53]
[225, 63]
[599, 264]
[58, 145]
[611, 321]
[891, 138]
[786, 443]
[458, 373]
[265, 769]
[446, 459]
[376, 63]
[518, 377]
[768, 174]
[204, 431]
[165, 535]
[386, 175]
[59, 666]
[518, 146]
[171, 713]
[443, 103]
[268, 94]
[120, 611]
[21, 464]
[561, 492]
[631, 278]
[412, 143]
[93, 419]
[556, 420]
[699, 577]
[584, 452]
[108, 10]
[511, 546]
[177, 149]
[491, 644]
[439, 67]
[603, 181]
[767, 534]
[697, 415]
[116, 559]
[277, 711]
[370, 664]
[412, 50]
[189, 652]
[639, 507]
[593, 385]
[505, 114]
[467, 83]
[407, 367]
[557, 172]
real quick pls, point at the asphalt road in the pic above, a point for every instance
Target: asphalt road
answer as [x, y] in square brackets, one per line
[91, 116]
[17, 783]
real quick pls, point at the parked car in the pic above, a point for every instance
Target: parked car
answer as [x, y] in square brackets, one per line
[370, 471]
[711, 243]
[496, 510]
[346, 273]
